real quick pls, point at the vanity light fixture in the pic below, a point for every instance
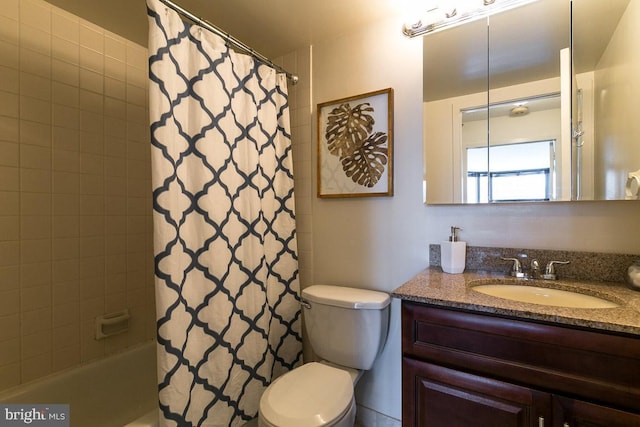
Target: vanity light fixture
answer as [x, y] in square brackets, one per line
[448, 14]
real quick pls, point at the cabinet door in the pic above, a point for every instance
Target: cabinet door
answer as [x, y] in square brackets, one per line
[437, 396]
[575, 413]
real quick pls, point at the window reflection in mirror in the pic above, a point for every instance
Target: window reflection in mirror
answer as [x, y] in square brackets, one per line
[518, 172]
[520, 164]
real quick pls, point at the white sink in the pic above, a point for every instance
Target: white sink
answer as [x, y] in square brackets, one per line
[544, 296]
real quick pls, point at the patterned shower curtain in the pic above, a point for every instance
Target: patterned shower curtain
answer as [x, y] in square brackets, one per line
[227, 292]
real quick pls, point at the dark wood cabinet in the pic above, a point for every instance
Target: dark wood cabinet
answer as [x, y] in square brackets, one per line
[452, 398]
[467, 369]
[576, 413]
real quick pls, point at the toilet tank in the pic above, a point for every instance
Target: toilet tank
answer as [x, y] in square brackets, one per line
[346, 326]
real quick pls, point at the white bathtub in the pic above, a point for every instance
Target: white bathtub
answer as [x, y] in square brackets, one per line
[108, 393]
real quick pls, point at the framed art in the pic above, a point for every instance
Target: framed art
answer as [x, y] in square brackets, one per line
[355, 146]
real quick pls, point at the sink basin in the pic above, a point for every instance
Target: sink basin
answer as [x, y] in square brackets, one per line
[544, 296]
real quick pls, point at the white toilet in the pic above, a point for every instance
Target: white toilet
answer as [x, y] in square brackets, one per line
[347, 328]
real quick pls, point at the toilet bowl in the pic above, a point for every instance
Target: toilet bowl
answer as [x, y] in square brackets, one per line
[313, 395]
[347, 328]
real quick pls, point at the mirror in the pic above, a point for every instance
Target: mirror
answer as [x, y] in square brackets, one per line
[512, 113]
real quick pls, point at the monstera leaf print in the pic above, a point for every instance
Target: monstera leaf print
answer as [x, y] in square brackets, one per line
[366, 165]
[363, 155]
[347, 128]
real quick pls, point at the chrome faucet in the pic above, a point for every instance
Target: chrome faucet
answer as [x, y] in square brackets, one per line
[550, 271]
[516, 269]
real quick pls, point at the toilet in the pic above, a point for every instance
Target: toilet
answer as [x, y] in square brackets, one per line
[347, 328]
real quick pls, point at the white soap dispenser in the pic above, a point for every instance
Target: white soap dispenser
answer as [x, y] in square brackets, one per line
[453, 253]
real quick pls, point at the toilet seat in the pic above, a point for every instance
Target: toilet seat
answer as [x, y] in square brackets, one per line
[311, 395]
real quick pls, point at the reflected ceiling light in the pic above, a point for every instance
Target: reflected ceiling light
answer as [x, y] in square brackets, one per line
[518, 111]
[450, 14]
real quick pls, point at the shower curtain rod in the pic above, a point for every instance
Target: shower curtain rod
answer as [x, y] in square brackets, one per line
[229, 38]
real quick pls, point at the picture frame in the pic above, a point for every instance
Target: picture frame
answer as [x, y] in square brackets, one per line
[355, 146]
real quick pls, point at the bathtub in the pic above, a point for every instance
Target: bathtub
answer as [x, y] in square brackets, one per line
[117, 391]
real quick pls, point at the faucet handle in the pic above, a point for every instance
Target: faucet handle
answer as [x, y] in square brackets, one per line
[516, 270]
[535, 268]
[550, 271]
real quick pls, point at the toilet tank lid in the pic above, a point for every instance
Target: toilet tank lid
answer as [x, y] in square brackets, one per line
[341, 296]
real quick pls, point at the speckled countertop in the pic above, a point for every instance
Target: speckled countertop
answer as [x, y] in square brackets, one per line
[433, 286]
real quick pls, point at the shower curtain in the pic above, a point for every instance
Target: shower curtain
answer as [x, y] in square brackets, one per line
[227, 292]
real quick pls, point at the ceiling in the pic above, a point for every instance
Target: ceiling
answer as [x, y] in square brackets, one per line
[277, 27]
[271, 27]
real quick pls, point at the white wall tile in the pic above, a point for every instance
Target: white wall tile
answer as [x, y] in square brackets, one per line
[10, 9]
[65, 204]
[35, 110]
[35, 62]
[65, 50]
[9, 104]
[64, 94]
[9, 203]
[9, 129]
[92, 37]
[115, 47]
[92, 102]
[9, 79]
[35, 204]
[36, 14]
[115, 88]
[65, 72]
[35, 86]
[67, 161]
[35, 227]
[67, 313]
[10, 302]
[9, 179]
[91, 80]
[65, 358]
[92, 60]
[35, 180]
[65, 248]
[9, 54]
[35, 39]
[35, 321]
[9, 229]
[9, 154]
[65, 276]
[65, 26]
[65, 226]
[35, 157]
[66, 139]
[9, 277]
[35, 133]
[35, 297]
[10, 352]
[67, 87]
[36, 367]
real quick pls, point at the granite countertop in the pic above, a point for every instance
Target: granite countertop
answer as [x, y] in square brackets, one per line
[433, 286]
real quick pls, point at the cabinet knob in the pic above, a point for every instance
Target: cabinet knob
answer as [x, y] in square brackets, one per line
[540, 421]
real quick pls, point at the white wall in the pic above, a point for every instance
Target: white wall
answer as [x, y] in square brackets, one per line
[375, 242]
[381, 242]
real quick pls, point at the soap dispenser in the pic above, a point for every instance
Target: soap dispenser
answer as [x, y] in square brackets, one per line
[453, 253]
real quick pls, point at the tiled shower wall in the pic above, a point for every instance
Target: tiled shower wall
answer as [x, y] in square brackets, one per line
[75, 203]
[299, 63]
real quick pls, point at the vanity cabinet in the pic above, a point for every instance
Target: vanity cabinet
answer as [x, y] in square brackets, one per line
[465, 369]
